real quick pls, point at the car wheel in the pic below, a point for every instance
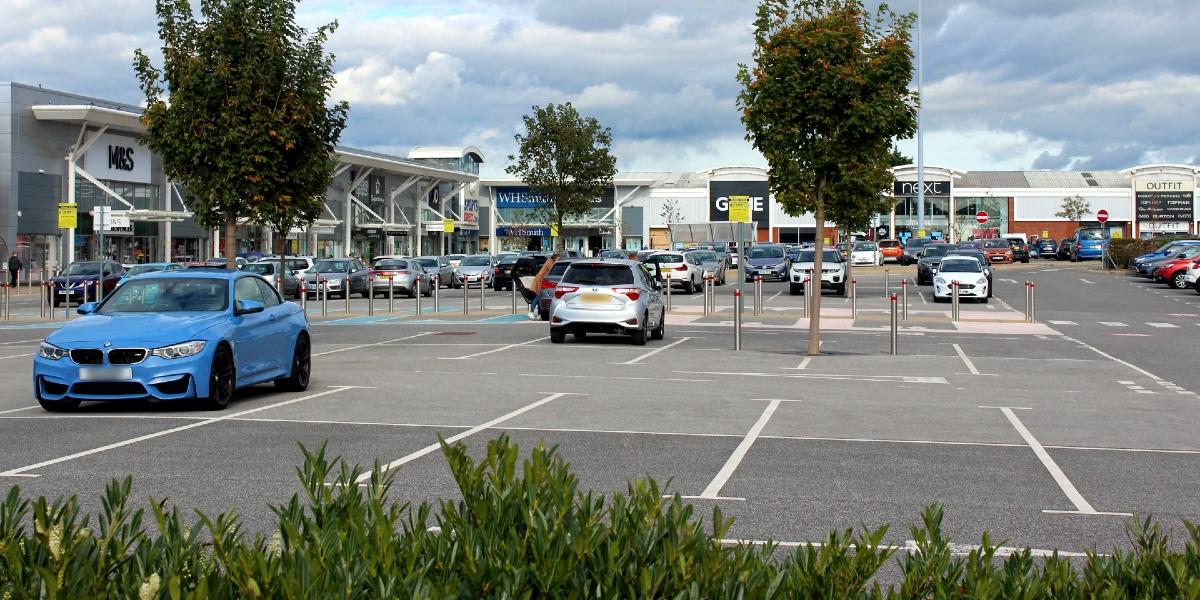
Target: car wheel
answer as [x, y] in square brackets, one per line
[841, 290]
[1025, 261]
[558, 335]
[544, 315]
[639, 336]
[496, 286]
[985, 300]
[297, 379]
[690, 287]
[1177, 281]
[794, 289]
[660, 332]
[221, 380]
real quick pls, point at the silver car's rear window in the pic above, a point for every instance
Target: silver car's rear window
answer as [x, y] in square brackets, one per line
[599, 275]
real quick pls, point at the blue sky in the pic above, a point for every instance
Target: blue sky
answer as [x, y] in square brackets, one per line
[1017, 84]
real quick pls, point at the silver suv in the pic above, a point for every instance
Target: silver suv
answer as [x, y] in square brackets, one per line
[620, 297]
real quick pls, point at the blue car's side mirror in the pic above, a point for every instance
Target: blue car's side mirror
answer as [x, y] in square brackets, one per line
[86, 308]
[248, 307]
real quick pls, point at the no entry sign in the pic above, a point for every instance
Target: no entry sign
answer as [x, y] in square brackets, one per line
[981, 217]
[1102, 215]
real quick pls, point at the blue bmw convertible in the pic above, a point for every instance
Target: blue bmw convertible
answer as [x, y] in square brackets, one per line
[176, 336]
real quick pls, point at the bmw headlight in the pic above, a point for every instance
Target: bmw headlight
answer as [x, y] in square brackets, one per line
[52, 352]
[179, 350]
[940, 281]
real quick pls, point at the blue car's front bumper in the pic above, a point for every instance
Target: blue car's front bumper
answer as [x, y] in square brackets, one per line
[1091, 252]
[154, 377]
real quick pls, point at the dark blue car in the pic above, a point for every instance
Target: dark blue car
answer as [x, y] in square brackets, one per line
[84, 279]
[176, 336]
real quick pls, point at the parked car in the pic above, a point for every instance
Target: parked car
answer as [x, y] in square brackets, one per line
[891, 250]
[1182, 254]
[1088, 243]
[1020, 249]
[768, 261]
[1064, 248]
[144, 268]
[502, 272]
[998, 251]
[253, 256]
[930, 258]
[866, 253]
[404, 275]
[678, 270]
[439, 267]
[1174, 272]
[967, 272]
[549, 282]
[971, 245]
[267, 270]
[713, 264]
[332, 274]
[617, 254]
[474, 270]
[455, 260]
[1046, 248]
[78, 276]
[176, 336]
[833, 271]
[912, 250]
[609, 296]
[1161, 252]
[299, 265]
[977, 255]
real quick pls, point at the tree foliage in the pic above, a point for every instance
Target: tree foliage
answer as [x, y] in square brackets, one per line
[565, 158]
[1074, 208]
[827, 96]
[239, 112]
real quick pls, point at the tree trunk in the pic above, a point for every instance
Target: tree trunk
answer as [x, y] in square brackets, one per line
[231, 242]
[814, 284]
[281, 271]
[560, 242]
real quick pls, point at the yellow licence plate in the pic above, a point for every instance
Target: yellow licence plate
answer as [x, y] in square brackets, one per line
[595, 299]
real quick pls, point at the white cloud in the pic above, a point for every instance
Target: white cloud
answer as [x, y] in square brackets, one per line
[375, 81]
[605, 95]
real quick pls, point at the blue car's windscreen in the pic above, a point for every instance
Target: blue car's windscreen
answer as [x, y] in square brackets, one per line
[155, 294]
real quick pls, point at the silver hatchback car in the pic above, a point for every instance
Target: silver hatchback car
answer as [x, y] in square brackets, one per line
[620, 297]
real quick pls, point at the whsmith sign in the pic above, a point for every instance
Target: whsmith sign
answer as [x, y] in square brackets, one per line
[1160, 200]
[719, 193]
[932, 188]
[522, 197]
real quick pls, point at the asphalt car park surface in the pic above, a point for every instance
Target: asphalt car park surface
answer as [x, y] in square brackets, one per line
[1045, 435]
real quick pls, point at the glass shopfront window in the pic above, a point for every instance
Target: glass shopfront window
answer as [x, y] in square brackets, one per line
[965, 210]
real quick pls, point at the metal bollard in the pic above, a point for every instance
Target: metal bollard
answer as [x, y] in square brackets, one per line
[668, 284]
[41, 302]
[482, 305]
[853, 299]
[887, 282]
[954, 301]
[304, 296]
[346, 294]
[437, 296]
[371, 293]
[323, 292]
[804, 298]
[737, 319]
[7, 302]
[417, 296]
[758, 295]
[514, 298]
[895, 328]
[392, 291]
[707, 309]
[1030, 307]
[50, 298]
[87, 285]
[466, 291]
[904, 299]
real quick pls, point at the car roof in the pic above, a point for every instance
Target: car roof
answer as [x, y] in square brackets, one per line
[228, 274]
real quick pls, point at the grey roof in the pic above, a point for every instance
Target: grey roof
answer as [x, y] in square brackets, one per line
[992, 179]
[1041, 179]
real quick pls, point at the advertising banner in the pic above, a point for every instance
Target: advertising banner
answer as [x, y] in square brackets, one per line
[756, 192]
[1164, 200]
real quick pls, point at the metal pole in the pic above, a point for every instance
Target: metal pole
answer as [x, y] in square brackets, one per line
[1032, 304]
[887, 282]
[737, 319]
[437, 296]
[853, 299]
[346, 293]
[41, 302]
[706, 307]
[904, 293]
[482, 306]
[304, 295]
[954, 301]
[1027, 302]
[86, 286]
[668, 282]
[804, 299]
[7, 302]
[392, 291]
[895, 327]
[371, 293]
[50, 298]
[323, 291]
[758, 295]
[514, 299]
[466, 289]
[417, 296]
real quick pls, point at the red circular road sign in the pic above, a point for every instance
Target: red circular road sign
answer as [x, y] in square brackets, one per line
[1102, 215]
[981, 217]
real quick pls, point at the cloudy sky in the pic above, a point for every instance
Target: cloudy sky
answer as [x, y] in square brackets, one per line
[1009, 84]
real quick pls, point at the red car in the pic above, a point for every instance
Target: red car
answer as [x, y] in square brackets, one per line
[1172, 272]
[891, 250]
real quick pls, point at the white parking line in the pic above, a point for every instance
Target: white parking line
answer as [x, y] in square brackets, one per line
[1081, 504]
[967, 361]
[655, 351]
[869, 378]
[465, 434]
[803, 364]
[373, 344]
[23, 471]
[713, 490]
[1112, 358]
[1113, 324]
[500, 349]
[1163, 325]
[16, 356]
[911, 546]
[13, 410]
[774, 296]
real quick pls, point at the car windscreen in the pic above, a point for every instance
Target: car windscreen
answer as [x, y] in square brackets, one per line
[476, 261]
[593, 274]
[767, 252]
[454, 256]
[559, 268]
[1091, 234]
[259, 268]
[995, 244]
[865, 247]
[391, 265]
[428, 263]
[331, 266]
[705, 255]
[161, 294]
[889, 244]
[917, 242]
[933, 250]
[508, 259]
[961, 266]
[976, 254]
[827, 256]
[297, 265]
[665, 258]
[139, 269]
[613, 254]
[83, 268]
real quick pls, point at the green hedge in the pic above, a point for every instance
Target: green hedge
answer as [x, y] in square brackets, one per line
[520, 531]
[1124, 250]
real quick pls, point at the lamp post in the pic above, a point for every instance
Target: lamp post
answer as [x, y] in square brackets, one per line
[920, 133]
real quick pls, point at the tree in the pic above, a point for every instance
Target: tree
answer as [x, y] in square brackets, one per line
[1074, 208]
[826, 97]
[564, 158]
[671, 213]
[239, 112]
[896, 158]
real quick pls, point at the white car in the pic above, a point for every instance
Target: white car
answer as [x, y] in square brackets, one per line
[681, 270]
[967, 272]
[1192, 273]
[299, 265]
[833, 271]
[866, 253]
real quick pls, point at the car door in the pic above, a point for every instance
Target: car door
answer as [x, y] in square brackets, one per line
[251, 333]
[278, 329]
[648, 274]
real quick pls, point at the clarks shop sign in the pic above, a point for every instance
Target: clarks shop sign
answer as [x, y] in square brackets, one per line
[118, 158]
[1164, 200]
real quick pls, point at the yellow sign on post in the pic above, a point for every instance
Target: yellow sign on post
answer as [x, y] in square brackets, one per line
[1115, 234]
[553, 230]
[1045, 233]
[68, 215]
[448, 225]
[739, 209]
[920, 233]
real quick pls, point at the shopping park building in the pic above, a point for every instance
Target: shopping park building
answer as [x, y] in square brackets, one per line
[63, 148]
